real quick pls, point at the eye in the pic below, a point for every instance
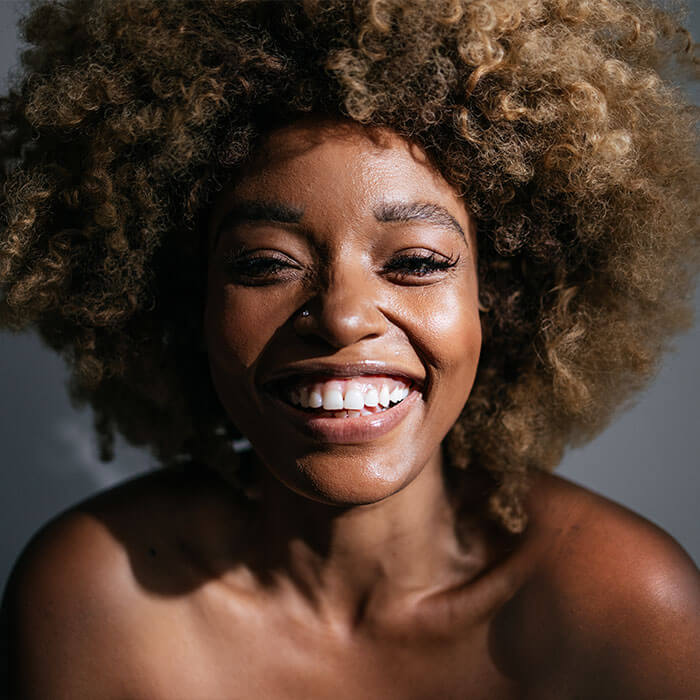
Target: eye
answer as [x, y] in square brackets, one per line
[408, 265]
[257, 268]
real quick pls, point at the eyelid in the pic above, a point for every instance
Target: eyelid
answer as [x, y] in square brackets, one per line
[426, 253]
[234, 254]
[423, 249]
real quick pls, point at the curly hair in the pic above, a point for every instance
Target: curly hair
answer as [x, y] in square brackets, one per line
[552, 119]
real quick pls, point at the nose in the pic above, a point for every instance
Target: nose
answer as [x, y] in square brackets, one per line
[344, 310]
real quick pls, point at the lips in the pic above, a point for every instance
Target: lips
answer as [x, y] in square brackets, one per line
[312, 370]
[362, 428]
[343, 403]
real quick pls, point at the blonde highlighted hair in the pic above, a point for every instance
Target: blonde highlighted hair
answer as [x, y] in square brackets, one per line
[556, 120]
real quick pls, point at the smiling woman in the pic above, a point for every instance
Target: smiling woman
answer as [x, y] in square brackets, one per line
[391, 294]
[410, 251]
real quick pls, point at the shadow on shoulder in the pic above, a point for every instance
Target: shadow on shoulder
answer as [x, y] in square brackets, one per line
[81, 584]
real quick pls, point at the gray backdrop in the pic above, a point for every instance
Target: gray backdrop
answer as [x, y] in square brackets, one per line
[647, 460]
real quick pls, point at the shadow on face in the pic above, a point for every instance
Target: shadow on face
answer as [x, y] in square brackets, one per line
[340, 254]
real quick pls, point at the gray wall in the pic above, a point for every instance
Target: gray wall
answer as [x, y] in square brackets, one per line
[647, 460]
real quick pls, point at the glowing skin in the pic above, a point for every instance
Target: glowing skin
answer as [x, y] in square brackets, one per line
[339, 262]
[357, 574]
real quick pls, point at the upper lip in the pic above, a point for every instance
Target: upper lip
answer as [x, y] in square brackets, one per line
[318, 368]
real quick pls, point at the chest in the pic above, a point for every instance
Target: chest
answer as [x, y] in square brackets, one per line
[291, 666]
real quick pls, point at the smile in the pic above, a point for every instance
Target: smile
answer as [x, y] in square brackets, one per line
[352, 410]
[347, 398]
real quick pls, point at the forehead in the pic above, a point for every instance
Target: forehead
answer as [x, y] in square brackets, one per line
[315, 163]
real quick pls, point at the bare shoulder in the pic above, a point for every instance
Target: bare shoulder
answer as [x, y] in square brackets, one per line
[79, 598]
[623, 593]
[64, 596]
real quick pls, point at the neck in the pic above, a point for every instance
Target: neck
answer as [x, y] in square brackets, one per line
[359, 562]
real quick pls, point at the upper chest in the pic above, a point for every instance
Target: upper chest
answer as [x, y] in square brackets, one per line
[203, 645]
[208, 649]
[286, 663]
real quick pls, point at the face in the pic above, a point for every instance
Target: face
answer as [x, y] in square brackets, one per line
[342, 320]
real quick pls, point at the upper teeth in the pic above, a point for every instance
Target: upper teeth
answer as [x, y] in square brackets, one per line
[352, 394]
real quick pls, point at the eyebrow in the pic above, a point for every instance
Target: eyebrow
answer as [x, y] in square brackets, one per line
[259, 210]
[418, 211]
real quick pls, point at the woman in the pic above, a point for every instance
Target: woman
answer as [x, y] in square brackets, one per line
[409, 251]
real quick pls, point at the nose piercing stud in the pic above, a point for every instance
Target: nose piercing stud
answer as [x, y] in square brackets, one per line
[305, 312]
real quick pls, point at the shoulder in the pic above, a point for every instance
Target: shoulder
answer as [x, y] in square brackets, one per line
[84, 587]
[622, 591]
[69, 575]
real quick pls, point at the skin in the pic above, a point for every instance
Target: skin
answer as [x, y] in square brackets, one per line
[357, 573]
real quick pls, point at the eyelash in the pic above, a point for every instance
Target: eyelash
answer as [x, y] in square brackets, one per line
[243, 267]
[420, 265]
[403, 266]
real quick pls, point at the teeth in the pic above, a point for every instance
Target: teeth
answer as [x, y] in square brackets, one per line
[354, 399]
[332, 397]
[349, 397]
[315, 399]
[384, 397]
[372, 397]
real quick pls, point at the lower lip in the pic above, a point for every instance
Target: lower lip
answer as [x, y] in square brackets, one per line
[348, 430]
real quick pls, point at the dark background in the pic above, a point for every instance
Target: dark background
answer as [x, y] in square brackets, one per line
[647, 460]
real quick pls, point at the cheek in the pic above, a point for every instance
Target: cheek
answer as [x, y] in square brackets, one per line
[451, 334]
[237, 332]
[238, 325]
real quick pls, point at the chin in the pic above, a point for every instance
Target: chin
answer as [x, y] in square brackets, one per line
[348, 481]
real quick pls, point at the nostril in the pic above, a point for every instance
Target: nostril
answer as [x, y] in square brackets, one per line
[341, 318]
